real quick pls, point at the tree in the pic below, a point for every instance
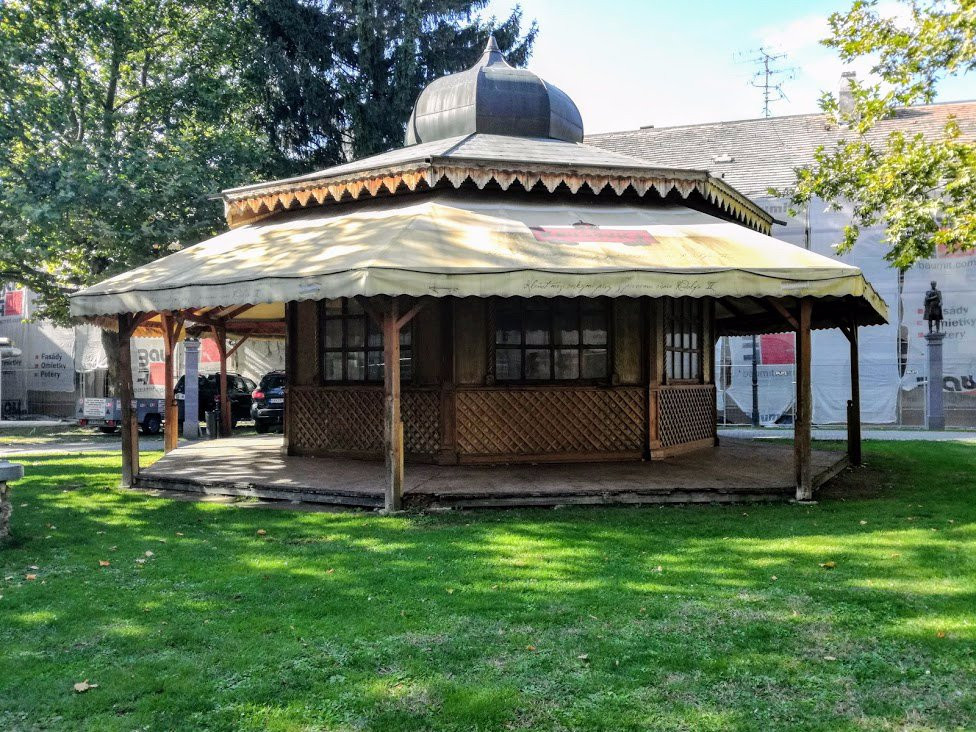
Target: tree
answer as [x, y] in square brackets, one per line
[923, 191]
[338, 79]
[119, 121]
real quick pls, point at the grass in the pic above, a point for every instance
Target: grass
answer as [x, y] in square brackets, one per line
[704, 618]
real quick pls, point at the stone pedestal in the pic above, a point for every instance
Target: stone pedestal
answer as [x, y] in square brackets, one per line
[934, 410]
[191, 391]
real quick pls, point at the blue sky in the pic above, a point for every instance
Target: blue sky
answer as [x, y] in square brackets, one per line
[629, 63]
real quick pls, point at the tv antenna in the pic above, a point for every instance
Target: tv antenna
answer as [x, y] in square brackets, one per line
[770, 76]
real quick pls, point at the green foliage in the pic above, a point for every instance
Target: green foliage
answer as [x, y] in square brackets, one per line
[923, 191]
[626, 618]
[121, 120]
[338, 80]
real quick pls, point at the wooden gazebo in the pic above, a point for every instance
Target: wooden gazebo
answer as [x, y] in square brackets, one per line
[497, 292]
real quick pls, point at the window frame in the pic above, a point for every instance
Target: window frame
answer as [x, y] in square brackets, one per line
[552, 347]
[370, 327]
[678, 313]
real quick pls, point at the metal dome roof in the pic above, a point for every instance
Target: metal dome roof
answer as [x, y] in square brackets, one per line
[493, 98]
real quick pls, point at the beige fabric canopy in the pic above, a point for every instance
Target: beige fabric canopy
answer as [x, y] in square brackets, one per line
[454, 244]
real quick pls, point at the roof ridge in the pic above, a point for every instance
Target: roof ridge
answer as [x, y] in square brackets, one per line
[764, 119]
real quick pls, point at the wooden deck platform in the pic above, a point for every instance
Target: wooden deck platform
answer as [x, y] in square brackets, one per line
[739, 470]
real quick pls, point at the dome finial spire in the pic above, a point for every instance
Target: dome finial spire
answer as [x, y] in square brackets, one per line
[492, 54]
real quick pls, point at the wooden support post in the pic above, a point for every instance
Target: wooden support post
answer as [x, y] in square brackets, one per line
[220, 335]
[392, 426]
[130, 427]
[854, 405]
[804, 405]
[172, 324]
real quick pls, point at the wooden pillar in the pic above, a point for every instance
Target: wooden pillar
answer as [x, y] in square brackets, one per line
[130, 427]
[220, 334]
[172, 325]
[448, 454]
[804, 406]
[392, 424]
[854, 405]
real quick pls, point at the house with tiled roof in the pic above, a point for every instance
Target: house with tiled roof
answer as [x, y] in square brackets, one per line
[756, 155]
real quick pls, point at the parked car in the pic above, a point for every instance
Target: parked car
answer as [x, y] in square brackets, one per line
[105, 413]
[239, 390]
[268, 401]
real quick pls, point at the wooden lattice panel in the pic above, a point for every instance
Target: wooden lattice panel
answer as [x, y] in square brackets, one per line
[685, 414]
[344, 420]
[540, 421]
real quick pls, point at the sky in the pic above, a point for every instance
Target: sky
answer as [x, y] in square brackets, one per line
[632, 63]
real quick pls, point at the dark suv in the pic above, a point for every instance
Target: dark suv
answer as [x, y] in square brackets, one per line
[268, 401]
[239, 390]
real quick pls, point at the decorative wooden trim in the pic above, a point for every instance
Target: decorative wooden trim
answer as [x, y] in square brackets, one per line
[245, 205]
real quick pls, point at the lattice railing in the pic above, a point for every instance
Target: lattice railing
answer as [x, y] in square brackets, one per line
[547, 421]
[684, 414]
[350, 420]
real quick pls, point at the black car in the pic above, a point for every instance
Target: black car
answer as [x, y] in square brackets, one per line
[268, 401]
[239, 390]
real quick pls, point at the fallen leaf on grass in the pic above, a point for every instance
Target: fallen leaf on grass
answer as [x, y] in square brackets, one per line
[150, 554]
[30, 577]
[829, 658]
[941, 634]
[584, 657]
[179, 533]
[33, 566]
[530, 648]
[330, 571]
[863, 523]
[103, 563]
[140, 560]
[261, 532]
[83, 686]
[828, 565]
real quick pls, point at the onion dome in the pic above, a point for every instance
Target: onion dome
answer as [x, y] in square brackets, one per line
[496, 99]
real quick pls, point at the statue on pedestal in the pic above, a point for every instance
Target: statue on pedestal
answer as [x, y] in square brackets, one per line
[933, 308]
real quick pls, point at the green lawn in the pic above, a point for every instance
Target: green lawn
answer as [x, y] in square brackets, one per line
[620, 618]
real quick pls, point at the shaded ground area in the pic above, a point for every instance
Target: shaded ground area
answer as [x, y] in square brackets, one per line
[858, 613]
[254, 466]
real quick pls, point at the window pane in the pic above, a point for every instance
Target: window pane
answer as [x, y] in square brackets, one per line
[595, 327]
[694, 338]
[536, 325]
[695, 366]
[686, 365]
[406, 364]
[567, 363]
[355, 365]
[333, 333]
[333, 366]
[508, 364]
[333, 307]
[353, 307]
[508, 323]
[594, 363]
[374, 339]
[405, 336]
[374, 365]
[537, 364]
[566, 323]
[355, 332]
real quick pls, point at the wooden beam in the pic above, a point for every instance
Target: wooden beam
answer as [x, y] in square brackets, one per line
[804, 403]
[734, 309]
[172, 324]
[777, 308]
[408, 316]
[854, 405]
[130, 429]
[240, 342]
[220, 336]
[392, 424]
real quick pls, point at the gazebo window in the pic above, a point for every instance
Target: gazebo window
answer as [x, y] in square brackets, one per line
[551, 339]
[353, 345]
[683, 325]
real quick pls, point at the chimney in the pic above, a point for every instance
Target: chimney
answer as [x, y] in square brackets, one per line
[845, 98]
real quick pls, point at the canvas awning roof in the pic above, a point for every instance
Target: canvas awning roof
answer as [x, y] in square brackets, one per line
[454, 244]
